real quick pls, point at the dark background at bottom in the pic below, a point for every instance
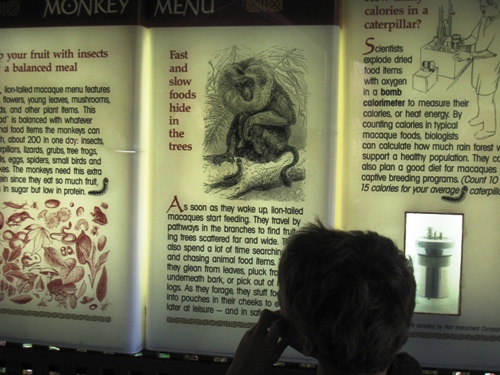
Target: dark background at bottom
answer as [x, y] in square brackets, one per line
[42, 360]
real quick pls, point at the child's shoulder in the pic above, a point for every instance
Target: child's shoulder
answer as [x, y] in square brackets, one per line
[404, 364]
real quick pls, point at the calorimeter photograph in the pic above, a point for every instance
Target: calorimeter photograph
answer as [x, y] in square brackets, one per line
[433, 241]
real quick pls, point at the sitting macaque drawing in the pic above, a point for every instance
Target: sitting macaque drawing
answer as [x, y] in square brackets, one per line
[263, 113]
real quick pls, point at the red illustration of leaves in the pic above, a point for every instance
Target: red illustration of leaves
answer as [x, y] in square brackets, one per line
[37, 234]
[70, 263]
[11, 271]
[102, 259]
[73, 276]
[53, 257]
[8, 267]
[10, 278]
[102, 285]
[11, 291]
[4, 286]
[17, 274]
[82, 290]
[15, 254]
[22, 299]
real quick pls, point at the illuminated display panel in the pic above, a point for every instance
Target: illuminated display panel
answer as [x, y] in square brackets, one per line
[421, 167]
[157, 128]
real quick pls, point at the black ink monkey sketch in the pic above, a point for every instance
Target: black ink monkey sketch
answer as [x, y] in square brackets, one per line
[263, 113]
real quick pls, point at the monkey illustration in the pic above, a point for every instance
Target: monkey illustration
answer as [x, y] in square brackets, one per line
[263, 113]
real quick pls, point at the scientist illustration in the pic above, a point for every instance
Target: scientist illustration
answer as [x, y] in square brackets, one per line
[485, 59]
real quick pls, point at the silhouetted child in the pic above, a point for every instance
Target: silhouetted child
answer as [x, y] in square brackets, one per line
[346, 298]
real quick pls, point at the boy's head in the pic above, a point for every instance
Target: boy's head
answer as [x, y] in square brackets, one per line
[350, 295]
